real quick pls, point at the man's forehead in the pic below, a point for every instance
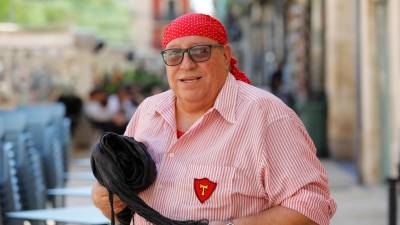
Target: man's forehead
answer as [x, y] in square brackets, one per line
[189, 41]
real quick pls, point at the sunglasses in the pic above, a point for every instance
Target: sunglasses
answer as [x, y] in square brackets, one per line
[197, 53]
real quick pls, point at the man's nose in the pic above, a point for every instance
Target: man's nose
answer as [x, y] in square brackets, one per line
[187, 62]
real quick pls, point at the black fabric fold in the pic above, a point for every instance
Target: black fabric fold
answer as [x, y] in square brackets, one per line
[125, 168]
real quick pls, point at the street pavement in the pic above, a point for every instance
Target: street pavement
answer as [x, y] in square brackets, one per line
[356, 205]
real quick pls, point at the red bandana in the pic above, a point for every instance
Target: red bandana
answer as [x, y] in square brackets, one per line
[196, 24]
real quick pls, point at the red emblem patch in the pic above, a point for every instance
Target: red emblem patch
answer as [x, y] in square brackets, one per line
[204, 188]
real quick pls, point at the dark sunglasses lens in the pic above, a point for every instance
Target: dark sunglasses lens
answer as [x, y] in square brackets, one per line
[173, 56]
[200, 53]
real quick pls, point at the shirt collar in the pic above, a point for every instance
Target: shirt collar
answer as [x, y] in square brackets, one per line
[166, 107]
[225, 102]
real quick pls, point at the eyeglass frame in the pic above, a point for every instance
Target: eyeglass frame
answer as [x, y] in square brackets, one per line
[211, 46]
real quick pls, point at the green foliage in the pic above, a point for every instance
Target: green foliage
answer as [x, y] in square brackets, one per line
[144, 80]
[33, 15]
[4, 9]
[106, 17]
[110, 19]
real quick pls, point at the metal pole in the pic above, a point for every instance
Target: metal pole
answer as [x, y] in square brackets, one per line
[358, 70]
[392, 201]
[393, 26]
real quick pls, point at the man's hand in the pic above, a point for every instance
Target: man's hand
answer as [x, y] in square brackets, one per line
[101, 201]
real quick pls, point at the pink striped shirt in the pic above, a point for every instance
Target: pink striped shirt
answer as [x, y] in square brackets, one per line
[251, 145]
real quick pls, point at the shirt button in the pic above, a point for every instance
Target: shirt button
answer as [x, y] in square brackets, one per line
[171, 155]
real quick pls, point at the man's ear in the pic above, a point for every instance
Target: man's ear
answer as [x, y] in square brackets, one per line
[227, 54]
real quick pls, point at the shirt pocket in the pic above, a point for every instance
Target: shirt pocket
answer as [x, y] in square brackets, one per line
[205, 205]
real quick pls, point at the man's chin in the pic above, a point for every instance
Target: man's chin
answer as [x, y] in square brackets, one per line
[192, 96]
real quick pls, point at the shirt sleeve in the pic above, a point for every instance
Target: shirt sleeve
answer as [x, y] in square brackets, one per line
[292, 175]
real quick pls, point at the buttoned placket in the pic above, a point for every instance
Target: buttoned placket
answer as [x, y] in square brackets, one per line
[172, 154]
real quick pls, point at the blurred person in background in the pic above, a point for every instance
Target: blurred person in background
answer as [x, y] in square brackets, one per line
[103, 115]
[122, 104]
[277, 86]
[73, 108]
[156, 90]
[134, 95]
[225, 150]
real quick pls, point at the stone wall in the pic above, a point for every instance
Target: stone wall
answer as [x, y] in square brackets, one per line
[340, 78]
[40, 66]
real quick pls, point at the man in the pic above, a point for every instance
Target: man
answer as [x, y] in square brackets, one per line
[225, 151]
[102, 114]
